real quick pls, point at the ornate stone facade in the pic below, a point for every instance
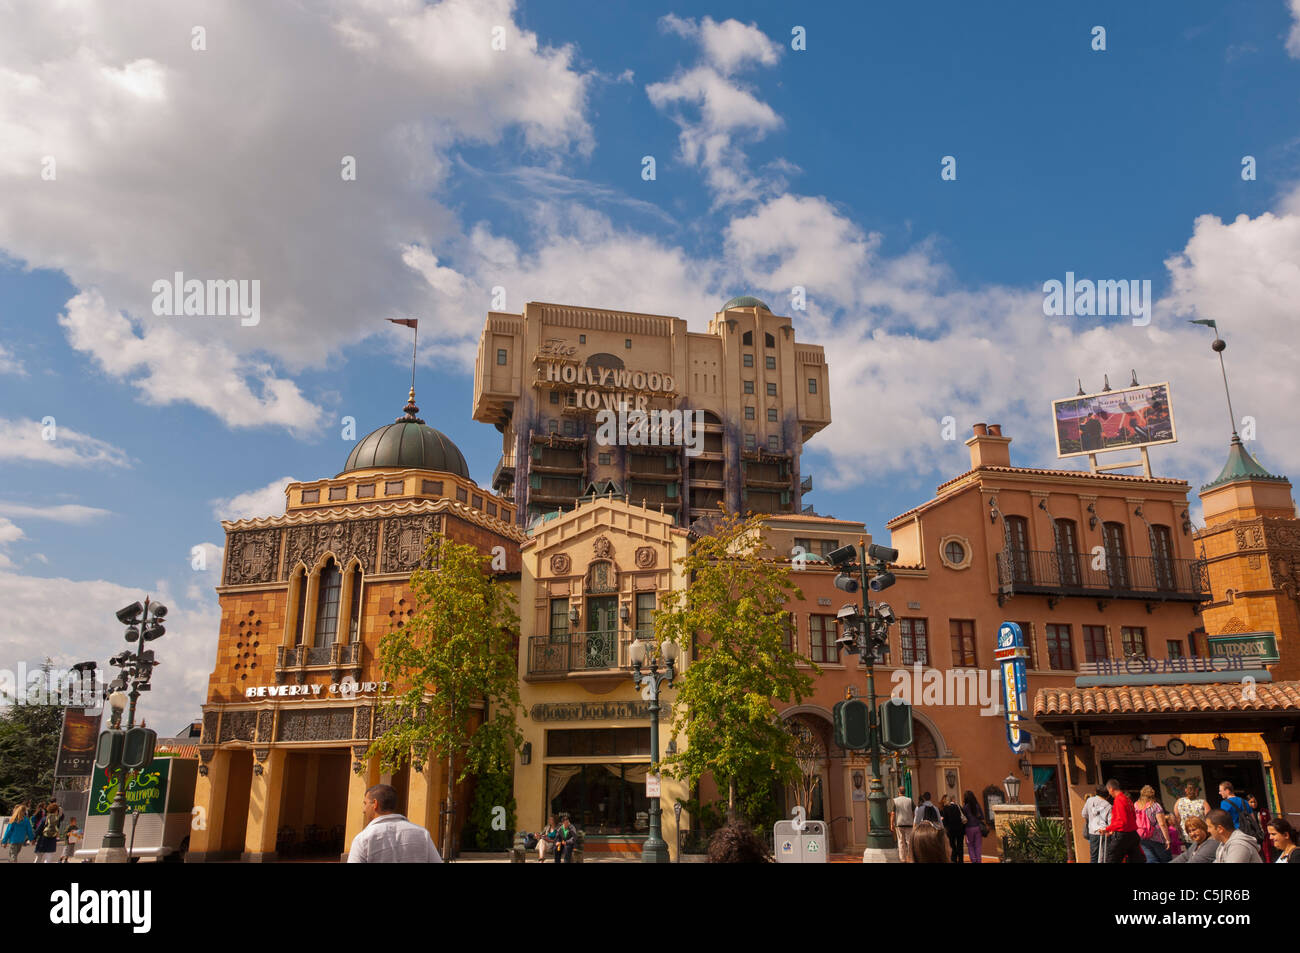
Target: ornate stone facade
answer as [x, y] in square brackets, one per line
[252, 556]
[316, 724]
[307, 544]
[238, 726]
[405, 539]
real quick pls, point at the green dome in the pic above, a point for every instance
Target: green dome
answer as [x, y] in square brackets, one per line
[745, 301]
[409, 443]
[1242, 466]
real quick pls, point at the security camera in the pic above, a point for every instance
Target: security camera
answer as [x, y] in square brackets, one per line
[842, 556]
[885, 613]
[882, 553]
[129, 615]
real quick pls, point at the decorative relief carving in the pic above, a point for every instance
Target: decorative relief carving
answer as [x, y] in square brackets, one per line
[405, 539]
[602, 548]
[1253, 560]
[265, 720]
[1250, 537]
[560, 564]
[362, 729]
[646, 557]
[345, 539]
[316, 724]
[261, 754]
[238, 726]
[205, 754]
[251, 556]
[209, 736]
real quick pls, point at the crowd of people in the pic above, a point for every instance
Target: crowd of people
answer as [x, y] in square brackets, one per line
[1239, 831]
[950, 832]
[55, 837]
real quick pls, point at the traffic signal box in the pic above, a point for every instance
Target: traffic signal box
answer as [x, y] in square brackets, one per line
[895, 725]
[852, 721]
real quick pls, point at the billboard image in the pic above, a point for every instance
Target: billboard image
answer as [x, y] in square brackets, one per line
[1113, 420]
[77, 744]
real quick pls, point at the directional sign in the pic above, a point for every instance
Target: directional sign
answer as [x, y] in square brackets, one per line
[1011, 655]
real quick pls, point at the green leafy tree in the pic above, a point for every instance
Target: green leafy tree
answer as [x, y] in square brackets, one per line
[485, 831]
[29, 744]
[734, 614]
[453, 663]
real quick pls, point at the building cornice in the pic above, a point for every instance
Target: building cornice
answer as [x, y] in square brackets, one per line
[354, 511]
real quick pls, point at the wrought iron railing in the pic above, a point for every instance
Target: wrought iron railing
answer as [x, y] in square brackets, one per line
[602, 650]
[1055, 572]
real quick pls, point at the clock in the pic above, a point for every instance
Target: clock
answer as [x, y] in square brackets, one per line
[1176, 747]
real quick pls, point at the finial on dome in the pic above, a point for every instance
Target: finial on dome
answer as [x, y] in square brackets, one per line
[411, 410]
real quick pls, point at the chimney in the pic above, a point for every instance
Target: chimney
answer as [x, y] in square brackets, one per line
[988, 448]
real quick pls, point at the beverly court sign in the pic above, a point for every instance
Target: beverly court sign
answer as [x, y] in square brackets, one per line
[348, 688]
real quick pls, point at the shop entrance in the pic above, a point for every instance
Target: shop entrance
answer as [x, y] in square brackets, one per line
[239, 781]
[314, 803]
[1168, 777]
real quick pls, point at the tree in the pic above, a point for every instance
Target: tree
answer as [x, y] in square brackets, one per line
[29, 744]
[807, 755]
[453, 662]
[733, 614]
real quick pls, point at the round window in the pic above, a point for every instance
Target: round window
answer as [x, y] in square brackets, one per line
[955, 553]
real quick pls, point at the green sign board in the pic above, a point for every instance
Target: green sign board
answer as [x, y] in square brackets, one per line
[146, 791]
[1258, 647]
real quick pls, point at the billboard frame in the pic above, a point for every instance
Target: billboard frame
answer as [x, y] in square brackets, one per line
[1145, 461]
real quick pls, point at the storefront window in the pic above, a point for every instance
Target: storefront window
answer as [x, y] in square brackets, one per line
[1047, 792]
[1135, 641]
[600, 798]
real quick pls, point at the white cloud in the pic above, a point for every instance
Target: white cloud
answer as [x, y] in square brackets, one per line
[265, 501]
[715, 113]
[25, 440]
[1293, 38]
[728, 46]
[84, 627]
[59, 512]
[10, 364]
[9, 534]
[212, 557]
[226, 163]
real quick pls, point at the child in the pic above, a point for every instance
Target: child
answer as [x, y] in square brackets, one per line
[73, 838]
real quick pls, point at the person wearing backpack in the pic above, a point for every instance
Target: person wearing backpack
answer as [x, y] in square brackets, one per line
[1243, 818]
[926, 811]
[1152, 827]
[954, 825]
[48, 834]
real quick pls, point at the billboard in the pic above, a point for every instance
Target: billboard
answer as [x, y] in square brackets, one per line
[1113, 420]
[77, 743]
[1012, 656]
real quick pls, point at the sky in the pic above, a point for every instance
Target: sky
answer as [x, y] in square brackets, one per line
[919, 170]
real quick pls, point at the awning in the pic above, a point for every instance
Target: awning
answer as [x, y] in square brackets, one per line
[1223, 706]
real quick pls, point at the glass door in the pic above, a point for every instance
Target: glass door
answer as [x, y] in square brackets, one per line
[1067, 550]
[1162, 551]
[602, 634]
[1116, 555]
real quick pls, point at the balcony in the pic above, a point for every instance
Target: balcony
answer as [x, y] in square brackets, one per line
[504, 474]
[298, 660]
[1057, 575]
[606, 652]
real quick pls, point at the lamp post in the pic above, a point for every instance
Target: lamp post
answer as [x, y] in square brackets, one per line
[655, 850]
[1011, 784]
[132, 748]
[866, 631]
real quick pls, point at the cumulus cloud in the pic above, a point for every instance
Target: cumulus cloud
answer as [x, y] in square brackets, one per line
[9, 534]
[35, 441]
[227, 163]
[10, 364]
[59, 512]
[716, 114]
[265, 501]
[84, 628]
[208, 556]
[1293, 38]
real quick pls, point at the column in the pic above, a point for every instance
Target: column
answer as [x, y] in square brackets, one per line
[264, 799]
[358, 783]
[210, 798]
[422, 798]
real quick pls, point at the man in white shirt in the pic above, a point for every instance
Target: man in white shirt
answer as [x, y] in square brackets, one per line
[902, 811]
[1096, 814]
[388, 837]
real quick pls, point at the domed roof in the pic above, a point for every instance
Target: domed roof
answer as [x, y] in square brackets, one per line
[408, 443]
[745, 301]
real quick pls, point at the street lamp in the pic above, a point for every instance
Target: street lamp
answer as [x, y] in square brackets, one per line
[121, 751]
[1011, 784]
[865, 632]
[654, 851]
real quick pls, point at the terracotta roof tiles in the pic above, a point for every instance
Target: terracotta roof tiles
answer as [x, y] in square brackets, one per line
[1166, 699]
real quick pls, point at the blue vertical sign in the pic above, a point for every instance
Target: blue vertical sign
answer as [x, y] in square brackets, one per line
[1011, 655]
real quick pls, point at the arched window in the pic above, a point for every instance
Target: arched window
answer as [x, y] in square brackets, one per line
[354, 595]
[747, 339]
[769, 340]
[327, 604]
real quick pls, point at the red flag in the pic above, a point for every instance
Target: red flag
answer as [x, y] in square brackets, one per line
[407, 322]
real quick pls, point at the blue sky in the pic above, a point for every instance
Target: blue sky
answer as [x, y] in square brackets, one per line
[522, 168]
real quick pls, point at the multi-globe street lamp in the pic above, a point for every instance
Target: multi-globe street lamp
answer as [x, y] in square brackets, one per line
[655, 850]
[123, 750]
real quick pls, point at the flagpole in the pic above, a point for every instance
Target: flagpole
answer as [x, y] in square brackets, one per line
[415, 341]
[1218, 346]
